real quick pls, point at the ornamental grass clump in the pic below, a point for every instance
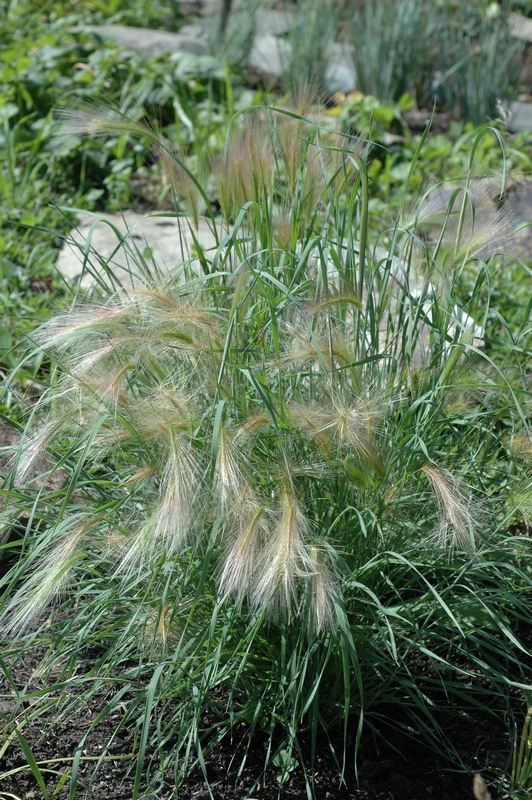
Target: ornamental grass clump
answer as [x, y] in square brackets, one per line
[379, 31]
[480, 62]
[273, 458]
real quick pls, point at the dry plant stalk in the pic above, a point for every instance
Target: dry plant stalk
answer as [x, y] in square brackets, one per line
[459, 518]
[480, 790]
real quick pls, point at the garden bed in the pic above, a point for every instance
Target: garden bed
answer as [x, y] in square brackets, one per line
[276, 489]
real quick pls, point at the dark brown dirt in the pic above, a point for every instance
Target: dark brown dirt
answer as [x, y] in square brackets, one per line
[390, 767]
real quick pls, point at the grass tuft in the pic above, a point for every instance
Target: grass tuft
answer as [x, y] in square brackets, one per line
[260, 458]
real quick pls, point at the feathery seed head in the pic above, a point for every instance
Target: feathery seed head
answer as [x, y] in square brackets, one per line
[164, 622]
[313, 183]
[325, 348]
[246, 173]
[252, 426]
[293, 137]
[472, 227]
[323, 590]
[62, 331]
[34, 448]
[46, 582]
[164, 411]
[163, 305]
[351, 425]
[110, 387]
[175, 514]
[241, 567]
[285, 560]
[521, 445]
[86, 359]
[141, 475]
[459, 516]
[90, 121]
[181, 181]
[114, 540]
[480, 790]
[228, 478]
[282, 229]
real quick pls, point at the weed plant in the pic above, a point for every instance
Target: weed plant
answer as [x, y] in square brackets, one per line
[293, 480]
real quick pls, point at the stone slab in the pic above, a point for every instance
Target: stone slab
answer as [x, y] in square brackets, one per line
[520, 117]
[274, 21]
[121, 241]
[520, 205]
[151, 43]
[267, 54]
[340, 75]
[520, 27]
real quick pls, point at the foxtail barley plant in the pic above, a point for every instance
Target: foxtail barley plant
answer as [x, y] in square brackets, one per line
[292, 463]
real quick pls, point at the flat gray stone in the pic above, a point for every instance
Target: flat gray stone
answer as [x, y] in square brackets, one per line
[267, 54]
[520, 27]
[151, 43]
[7, 706]
[520, 117]
[340, 75]
[520, 205]
[119, 242]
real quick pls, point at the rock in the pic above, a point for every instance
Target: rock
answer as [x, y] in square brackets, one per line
[274, 22]
[340, 75]
[191, 7]
[520, 204]
[7, 707]
[520, 27]
[131, 245]
[267, 54]
[520, 117]
[151, 43]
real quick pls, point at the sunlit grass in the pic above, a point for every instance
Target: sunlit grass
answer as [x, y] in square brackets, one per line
[293, 469]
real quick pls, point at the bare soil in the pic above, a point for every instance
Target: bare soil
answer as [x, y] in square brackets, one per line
[391, 766]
